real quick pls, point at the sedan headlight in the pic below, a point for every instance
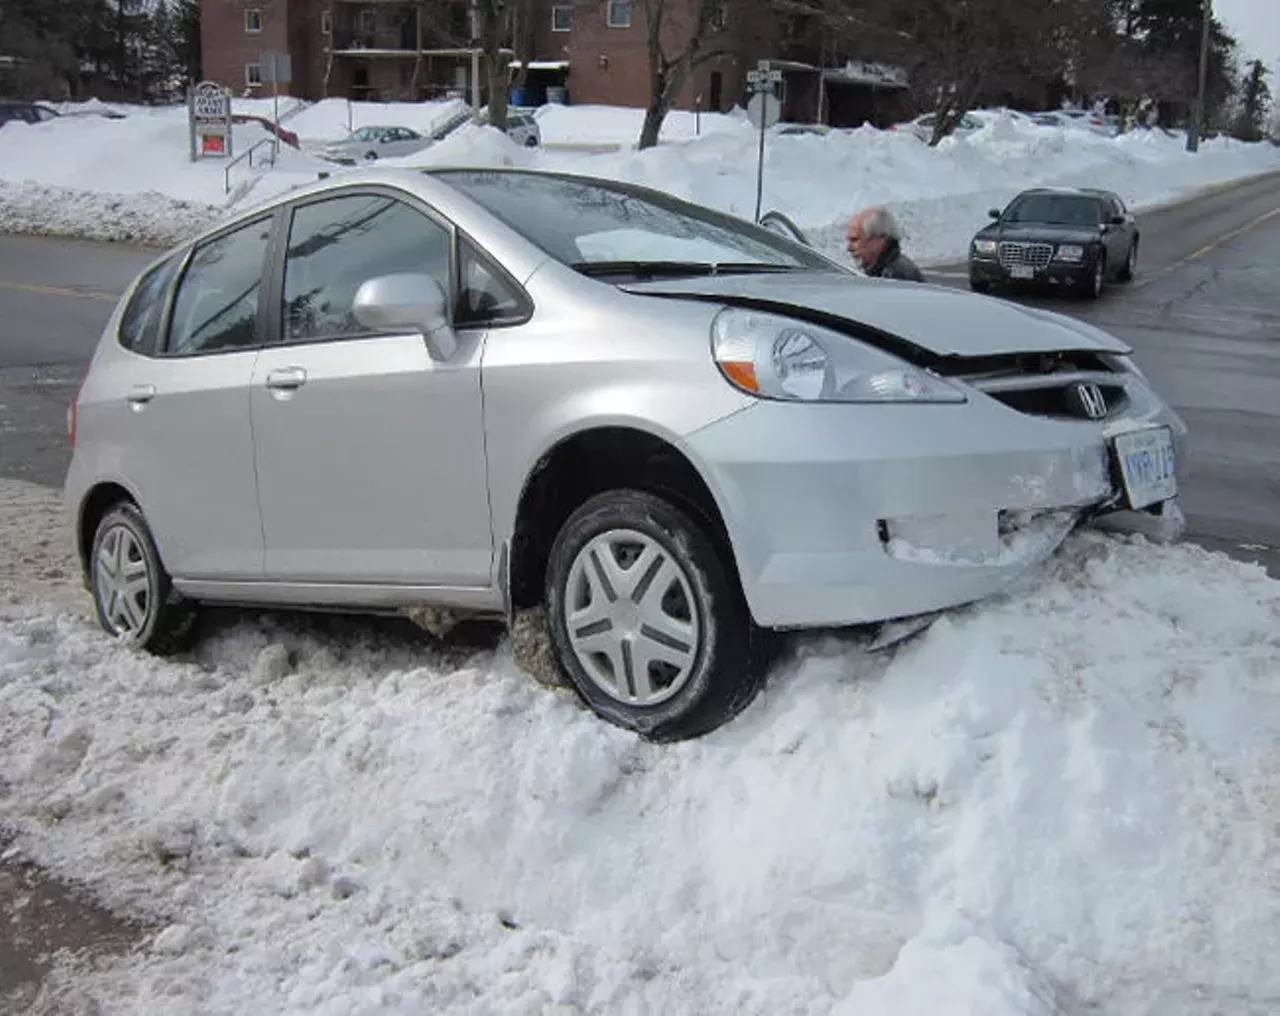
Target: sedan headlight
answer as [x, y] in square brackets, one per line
[776, 357]
[987, 248]
[1070, 252]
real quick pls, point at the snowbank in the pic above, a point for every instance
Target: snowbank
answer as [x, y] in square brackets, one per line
[941, 195]
[1063, 801]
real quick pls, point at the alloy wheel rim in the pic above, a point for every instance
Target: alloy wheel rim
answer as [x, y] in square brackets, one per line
[123, 582]
[632, 618]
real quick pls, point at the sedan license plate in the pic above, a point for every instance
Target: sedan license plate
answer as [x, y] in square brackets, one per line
[1022, 272]
[1147, 466]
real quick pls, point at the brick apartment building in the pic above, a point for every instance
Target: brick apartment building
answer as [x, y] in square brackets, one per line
[588, 51]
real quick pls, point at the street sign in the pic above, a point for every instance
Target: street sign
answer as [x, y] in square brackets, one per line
[275, 68]
[764, 105]
[763, 77]
[209, 120]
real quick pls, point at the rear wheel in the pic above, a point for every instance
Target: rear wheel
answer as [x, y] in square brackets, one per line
[1093, 288]
[647, 621]
[1130, 264]
[132, 593]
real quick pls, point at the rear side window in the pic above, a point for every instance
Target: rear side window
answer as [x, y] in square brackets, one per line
[217, 303]
[140, 323]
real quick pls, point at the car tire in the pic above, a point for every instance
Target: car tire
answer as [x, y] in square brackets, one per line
[709, 659]
[371, 156]
[1093, 289]
[979, 287]
[531, 142]
[133, 595]
[1130, 264]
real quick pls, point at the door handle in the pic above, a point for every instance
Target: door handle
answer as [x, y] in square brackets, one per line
[286, 379]
[140, 395]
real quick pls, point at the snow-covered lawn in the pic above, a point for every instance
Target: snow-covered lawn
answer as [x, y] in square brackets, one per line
[1065, 801]
[131, 179]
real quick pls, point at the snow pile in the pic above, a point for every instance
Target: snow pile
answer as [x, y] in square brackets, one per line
[613, 125]
[333, 119]
[941, 195]
[1062, 801]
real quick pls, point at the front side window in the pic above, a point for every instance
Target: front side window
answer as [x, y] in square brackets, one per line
[619, 15]
[140, 323]
[586, 223]
[338, 244]
[217, 303]
[561, 18]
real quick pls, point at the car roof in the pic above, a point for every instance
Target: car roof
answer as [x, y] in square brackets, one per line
[1069, 192]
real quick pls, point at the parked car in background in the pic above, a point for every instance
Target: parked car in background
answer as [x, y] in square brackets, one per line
[922, 126]
[523, 129]
[1073, 238]
[489, 391]
[26, 112]
[376, 142]
[1079, 119]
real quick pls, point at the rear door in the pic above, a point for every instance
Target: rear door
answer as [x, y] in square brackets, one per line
[370, 454]
[178, 429]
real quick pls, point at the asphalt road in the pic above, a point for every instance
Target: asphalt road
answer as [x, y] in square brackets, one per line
[1201, 316]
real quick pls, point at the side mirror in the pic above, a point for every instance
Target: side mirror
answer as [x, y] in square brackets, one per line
[407, 302]
[994, 212]
[1116, 220]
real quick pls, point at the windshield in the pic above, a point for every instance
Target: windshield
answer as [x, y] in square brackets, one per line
[1056, 209]
[366, 134]
[586, 223]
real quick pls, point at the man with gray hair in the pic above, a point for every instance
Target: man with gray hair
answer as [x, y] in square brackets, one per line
[875, 240]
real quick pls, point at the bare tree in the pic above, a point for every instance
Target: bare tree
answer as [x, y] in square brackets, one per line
[680, 36]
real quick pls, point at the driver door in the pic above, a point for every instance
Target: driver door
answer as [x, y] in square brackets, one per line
[370, 454]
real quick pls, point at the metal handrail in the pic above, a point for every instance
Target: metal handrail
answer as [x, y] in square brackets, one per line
[247, 154]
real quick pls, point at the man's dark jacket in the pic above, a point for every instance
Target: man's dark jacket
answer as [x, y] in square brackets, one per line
[893, 264]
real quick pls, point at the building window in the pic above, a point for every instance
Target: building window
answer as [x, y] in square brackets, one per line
[326, 22]
[720, 17]
[368, 21]
[252, 74]
[253, 21]
[561, 17]
[619, 15]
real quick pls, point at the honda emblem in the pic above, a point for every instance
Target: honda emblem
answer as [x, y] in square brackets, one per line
[1092, 401]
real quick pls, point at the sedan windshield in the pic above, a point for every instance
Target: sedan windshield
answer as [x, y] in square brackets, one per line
[602, 227]
[1056, 210]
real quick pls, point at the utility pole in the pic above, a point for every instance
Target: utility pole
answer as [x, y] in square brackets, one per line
[1198, 114]
[475, 60]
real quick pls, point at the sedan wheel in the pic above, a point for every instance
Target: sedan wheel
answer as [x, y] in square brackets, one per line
[646, 621]
[132, 592]
[1097, 280]
[1130, 264]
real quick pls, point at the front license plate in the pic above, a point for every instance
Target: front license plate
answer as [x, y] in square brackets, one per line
[1147, 465]
[1022, 272]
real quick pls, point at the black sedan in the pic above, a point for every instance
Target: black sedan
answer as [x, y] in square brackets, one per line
[1073, 239]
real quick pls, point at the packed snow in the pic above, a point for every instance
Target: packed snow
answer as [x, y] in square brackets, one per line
[1064, 801]
[132, 179]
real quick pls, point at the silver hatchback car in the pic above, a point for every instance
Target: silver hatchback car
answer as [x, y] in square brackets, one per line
[668, 431]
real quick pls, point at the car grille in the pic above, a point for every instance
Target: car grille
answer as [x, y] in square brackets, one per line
[1037, 255]
[1048, 385]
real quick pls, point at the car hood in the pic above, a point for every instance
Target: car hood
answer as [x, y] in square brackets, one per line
[1033, 233]
[943, 322]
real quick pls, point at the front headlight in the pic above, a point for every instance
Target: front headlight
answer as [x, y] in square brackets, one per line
[986, 248]
[776, 357]
[1070, 252]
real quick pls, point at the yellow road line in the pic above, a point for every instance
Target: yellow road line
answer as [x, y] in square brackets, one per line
[1227, 237]
[83, 294]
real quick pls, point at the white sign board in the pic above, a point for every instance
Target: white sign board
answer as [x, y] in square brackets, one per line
[764, 105]
[209, 120]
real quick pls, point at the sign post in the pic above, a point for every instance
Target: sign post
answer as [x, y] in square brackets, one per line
[276, 68]
[763, 110]
[209, 120]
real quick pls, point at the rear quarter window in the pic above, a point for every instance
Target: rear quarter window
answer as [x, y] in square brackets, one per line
[140, 323]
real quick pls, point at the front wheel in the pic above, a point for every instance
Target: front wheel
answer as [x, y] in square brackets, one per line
[133, 595]
[1097, 279]
[647, 621]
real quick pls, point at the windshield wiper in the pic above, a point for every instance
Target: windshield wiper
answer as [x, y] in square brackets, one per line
[676, 269]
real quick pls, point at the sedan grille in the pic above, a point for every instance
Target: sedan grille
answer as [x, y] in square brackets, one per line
[1068, 385]
[1037, 255]
[1066, 401]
